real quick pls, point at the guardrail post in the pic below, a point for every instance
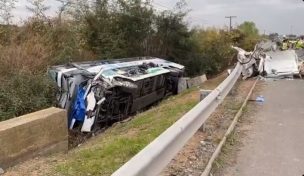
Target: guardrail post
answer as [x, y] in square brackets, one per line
[204, 93]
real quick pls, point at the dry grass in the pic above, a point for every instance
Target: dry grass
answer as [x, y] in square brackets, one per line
[26, 53]
[29, 56]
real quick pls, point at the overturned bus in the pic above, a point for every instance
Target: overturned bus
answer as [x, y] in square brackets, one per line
[95, 93]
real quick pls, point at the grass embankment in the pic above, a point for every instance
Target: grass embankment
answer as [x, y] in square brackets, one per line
[106, 153]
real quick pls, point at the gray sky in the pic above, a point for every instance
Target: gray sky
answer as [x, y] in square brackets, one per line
[282, 16]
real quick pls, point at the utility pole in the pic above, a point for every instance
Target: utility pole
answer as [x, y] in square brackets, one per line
[230, 18]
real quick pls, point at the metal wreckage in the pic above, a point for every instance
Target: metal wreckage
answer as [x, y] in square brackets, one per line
[269, 62]
[95, 93]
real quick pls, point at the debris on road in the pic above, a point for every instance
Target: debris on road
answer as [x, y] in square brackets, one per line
[248, 62]
[259, 99]
[282, 64]
[1, 171]
[300, 54]
[268, 62]
[95, 93]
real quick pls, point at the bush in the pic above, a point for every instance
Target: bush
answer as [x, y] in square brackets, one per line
[250, 35]
[24, 93]
[214, 50]
[31, 49]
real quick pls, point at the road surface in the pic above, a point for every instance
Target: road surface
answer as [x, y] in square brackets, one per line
[274, 145]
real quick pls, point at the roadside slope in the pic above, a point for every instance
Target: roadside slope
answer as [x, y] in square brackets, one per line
[105, 153]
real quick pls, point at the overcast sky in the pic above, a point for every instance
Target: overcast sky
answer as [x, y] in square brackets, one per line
[282, 16]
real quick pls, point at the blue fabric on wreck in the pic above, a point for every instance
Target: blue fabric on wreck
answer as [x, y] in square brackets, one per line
[79, 107]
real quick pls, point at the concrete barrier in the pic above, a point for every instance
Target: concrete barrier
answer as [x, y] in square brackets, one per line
[182, 84]
[197, 81]
[40, 133]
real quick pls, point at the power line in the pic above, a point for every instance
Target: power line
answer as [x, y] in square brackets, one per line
[291, 29]
[230, 18]
[194, 18]
[161, 5]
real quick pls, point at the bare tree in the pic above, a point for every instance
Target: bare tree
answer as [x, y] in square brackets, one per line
[6, 7]
[64, 5]
[78, 8]
[38, 8]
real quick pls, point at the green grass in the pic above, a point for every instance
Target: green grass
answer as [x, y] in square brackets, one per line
[106, 153]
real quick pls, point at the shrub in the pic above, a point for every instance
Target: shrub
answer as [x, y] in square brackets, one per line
[24, 93]
[214, 49]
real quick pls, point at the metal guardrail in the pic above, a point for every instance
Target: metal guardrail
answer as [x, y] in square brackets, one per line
[156, 156]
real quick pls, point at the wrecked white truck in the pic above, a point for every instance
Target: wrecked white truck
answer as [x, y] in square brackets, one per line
[269, 62]
[98, 92]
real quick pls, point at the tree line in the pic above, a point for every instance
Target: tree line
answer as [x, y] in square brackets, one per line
[102, 29]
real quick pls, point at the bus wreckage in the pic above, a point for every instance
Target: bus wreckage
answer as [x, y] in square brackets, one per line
[95, 93]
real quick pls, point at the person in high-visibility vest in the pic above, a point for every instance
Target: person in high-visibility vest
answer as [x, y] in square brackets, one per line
[292, 44]
[284, 45]
[300, 44]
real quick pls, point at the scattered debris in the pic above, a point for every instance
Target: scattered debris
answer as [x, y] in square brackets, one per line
[1, 171]
[259, 99]
[229, 71]
[248, 62]
[203, 143]
[99, 92]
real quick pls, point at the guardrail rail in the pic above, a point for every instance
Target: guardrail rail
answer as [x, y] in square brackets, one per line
[157, 155]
